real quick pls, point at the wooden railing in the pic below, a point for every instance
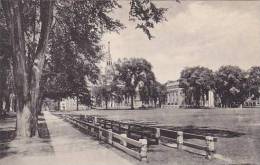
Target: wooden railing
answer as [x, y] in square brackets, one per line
[154, 135]
[132, 147]
[181, 139]
[135, 131]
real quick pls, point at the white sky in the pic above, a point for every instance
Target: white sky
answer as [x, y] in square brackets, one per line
[203, 33]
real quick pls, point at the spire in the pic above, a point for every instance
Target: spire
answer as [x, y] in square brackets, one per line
[109, 58]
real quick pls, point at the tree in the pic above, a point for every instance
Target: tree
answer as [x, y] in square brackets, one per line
[103, 91]
[253, 82]
[162, 94]
[133, 73]
[196, 82]
[153, 92]
[231, 85]
[5, 70]
[66, 74]
[30, 23]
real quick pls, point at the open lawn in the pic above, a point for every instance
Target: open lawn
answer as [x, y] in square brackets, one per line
[237, 130]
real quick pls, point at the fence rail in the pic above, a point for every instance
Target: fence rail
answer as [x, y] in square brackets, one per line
[138, 150]
[153, 135]
[180, 138]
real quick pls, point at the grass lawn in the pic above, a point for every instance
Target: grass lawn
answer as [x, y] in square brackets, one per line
[237, 130]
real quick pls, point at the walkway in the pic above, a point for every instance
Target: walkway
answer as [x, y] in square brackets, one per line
[66, 146]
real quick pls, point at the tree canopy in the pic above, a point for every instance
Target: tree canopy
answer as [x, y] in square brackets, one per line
[253, 81]
[231, 85]
[36, 27]
[196, 81]
[133, 73]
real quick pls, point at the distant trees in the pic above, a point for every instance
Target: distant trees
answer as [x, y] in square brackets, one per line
[231, 85]
[253, 82]
[196, 82]
[153, 92]
[133, 74]
[132, 78]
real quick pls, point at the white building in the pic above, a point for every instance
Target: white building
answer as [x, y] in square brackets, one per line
[176, 96]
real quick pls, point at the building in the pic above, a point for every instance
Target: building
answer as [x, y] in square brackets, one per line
[70, 104]
[176, 96]
[105, 80]
[252, 102]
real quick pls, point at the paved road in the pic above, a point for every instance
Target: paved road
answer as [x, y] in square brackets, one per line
[61, 149]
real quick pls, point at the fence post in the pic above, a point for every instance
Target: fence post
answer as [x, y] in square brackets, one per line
[128, 131]
[179, 139]
[110, 136]
[95, 120]
[100, 133]
[143, 152]
[119, 128]
[123, 142]
[158, 135]
[210, 147]
[111, 122]
[105, 123]
[92, 130]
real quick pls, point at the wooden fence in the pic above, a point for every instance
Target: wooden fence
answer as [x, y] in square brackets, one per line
[181, 139]
[132, 147]
[153, 135]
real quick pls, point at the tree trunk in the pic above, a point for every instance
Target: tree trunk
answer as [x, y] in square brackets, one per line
[106, 102]
[132, 102]
[77, 100]
[155, 101]
[1, 106]
[23, 124]
[59, 105]
[14, 104]
[7, 103]
[26, 76]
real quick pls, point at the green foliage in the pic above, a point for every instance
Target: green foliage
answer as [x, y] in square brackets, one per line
[231, 85]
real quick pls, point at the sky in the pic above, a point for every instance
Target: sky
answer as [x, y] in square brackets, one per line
[205, 33]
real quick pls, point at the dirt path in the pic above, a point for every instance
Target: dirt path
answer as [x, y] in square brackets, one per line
[66, 146]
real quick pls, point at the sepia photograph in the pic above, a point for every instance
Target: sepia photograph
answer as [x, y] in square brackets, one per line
[129, 82]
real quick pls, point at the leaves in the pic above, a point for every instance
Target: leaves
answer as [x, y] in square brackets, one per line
[231, 85]
[253, 81]
[146, 14]
[196, 81]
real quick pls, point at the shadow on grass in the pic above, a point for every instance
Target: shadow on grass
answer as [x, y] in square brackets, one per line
[206, 131]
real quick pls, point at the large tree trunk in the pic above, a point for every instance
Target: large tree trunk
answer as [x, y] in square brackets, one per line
[23, 114]
[26, 76]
